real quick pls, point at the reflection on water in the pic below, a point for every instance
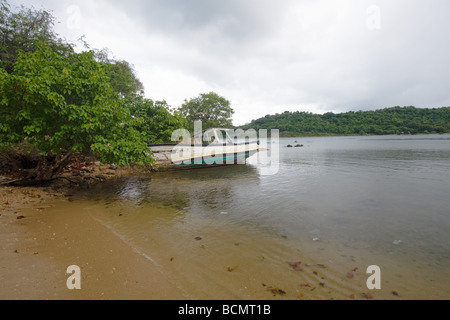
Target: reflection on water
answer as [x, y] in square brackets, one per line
[176, 188]
[386, 196]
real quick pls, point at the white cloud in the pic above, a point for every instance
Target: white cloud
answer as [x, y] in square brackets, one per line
[272, 56]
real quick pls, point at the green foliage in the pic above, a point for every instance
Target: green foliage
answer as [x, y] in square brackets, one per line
[212, 109]
[123, 79]
[122, 74]
[65, 103]
[156, 120]
[4, 11]
[397, 120]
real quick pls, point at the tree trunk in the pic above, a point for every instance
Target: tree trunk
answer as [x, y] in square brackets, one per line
[46, 170]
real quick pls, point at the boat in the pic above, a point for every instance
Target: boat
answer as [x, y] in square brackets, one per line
[213, 147]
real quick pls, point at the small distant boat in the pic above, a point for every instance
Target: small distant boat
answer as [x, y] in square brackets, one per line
[213, 147]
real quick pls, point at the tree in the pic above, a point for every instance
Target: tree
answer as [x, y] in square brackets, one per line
[123, 79]
[4, 11]
[156, 120]
[122, 74]
[64, 104]
[23, 30]
[212, 109]
[395, 120]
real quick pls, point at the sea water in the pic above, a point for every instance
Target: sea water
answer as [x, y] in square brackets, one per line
[333, 208]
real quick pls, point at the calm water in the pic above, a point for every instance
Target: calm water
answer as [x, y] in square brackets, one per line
[343, 201]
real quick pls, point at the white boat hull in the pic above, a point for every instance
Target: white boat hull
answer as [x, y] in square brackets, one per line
[213, 155]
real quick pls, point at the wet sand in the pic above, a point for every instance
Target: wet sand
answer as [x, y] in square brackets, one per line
[37, 245]
[43, 232]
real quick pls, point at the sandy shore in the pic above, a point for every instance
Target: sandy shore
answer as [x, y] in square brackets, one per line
[37, 245]
[44, 231]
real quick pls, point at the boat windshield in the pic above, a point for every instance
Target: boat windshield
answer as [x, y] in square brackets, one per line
[214, 136]
[223, 136]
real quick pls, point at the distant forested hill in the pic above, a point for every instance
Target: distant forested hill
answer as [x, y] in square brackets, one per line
[397, 120]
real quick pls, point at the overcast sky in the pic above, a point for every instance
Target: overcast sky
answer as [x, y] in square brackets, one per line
[271, 56]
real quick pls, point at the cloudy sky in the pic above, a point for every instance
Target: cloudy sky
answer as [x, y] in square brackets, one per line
[271, 56]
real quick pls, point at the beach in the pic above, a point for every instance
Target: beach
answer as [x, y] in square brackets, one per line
[311, 232]
[43, 232]
[37, 246]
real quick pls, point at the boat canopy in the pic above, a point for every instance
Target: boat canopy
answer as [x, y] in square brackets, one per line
[224, 136]
[214, 136]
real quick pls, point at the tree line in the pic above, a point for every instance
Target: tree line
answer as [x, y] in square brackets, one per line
[396, 120]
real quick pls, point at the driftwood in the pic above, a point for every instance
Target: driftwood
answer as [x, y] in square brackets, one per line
[4, 181]
[48, 169]
[29, 182]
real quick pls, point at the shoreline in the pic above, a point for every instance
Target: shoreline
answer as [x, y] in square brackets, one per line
[38, 244]
[45, 230]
